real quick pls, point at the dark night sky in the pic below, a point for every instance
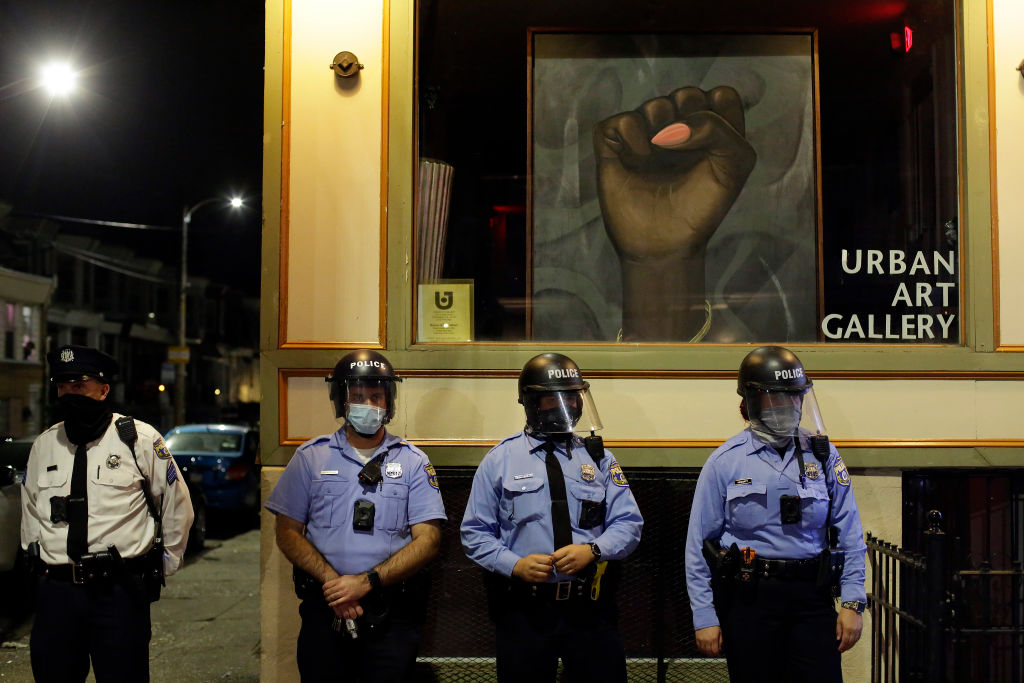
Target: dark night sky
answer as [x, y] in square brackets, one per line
[168, 112]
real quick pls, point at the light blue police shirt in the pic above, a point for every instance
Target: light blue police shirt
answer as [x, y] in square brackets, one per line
[509, 510]
[737, 501]
[320, 486]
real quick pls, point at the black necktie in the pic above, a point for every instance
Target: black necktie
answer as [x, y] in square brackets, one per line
[559, 503]
[78, 507]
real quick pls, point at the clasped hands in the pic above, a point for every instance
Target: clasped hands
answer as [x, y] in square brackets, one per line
[537, 568]
[342, 593]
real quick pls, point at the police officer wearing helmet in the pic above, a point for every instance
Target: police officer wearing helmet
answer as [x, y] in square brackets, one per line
[358, 515]
[547, 511]
[775, 536]
[105, 517]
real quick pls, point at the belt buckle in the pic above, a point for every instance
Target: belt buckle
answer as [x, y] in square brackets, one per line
[77, 573]
[563, 590]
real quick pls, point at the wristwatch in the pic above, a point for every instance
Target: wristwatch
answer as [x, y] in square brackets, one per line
[597, 552]
[855, 605]
[373, 578]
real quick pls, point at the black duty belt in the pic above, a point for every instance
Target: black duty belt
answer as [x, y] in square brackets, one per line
[87, 572]
[561, 591]
[787, 569]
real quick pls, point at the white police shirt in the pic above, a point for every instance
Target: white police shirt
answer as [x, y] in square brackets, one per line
[118, 515]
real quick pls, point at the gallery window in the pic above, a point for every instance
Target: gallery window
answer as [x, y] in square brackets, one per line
[730, 172]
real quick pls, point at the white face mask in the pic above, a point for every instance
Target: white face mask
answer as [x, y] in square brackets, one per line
[365, 419]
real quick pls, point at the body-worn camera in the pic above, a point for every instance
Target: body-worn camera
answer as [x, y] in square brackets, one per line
[370, 474]
[591, 514]
[789, 509]
[362, 515]
[58, 509]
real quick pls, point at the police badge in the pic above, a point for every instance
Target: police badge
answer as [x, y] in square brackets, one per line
[587, 472]
[393, 470]
[113, 461]
[811, 470]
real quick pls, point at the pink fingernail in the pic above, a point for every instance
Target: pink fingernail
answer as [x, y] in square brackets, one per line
[671, 135]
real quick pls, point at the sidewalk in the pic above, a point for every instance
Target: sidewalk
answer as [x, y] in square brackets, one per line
[206, 626]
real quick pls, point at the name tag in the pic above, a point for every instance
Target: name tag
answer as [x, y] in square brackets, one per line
[328, 471]
[743, 482]
[522, 476]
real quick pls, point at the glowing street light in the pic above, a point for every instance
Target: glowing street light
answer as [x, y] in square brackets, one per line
[58, 78]
[180, 362]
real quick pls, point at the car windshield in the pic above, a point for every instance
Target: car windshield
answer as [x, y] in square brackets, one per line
[204, 442]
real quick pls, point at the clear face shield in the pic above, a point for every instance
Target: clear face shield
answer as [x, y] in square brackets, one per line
[364, 404]
[561, 412]
[781, 413]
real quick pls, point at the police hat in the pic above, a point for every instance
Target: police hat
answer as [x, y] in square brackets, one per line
[71, 363]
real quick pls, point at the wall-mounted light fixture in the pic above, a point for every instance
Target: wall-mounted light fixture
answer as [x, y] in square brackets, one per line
[346, 65]
[1020, 68]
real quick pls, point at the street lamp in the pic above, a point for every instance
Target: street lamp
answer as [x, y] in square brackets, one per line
[58, 78]
[182, 356]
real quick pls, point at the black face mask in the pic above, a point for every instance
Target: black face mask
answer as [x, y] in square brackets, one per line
[552, 421]
[85, 419]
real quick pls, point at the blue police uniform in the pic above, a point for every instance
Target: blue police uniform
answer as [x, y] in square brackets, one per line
[780, 627]
[319, 488]
[509, 517]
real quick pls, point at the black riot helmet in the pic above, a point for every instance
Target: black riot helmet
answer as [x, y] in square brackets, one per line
[772, 368]
[362, 368]
[777, 393]
[555, 396]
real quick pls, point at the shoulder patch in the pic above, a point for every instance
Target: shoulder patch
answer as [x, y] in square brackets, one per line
[842, 476]
[160, 448]
[172, 473]
[431, 475]
[618, 478]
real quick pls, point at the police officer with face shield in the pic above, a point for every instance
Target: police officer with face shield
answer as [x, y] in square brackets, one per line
[358, 515]
[105, 517]
[547, 511]
[775, 536]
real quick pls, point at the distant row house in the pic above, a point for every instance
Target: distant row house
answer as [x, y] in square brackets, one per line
[60, 286]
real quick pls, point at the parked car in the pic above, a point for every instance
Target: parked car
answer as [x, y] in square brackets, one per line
[222, 461]
[13, 459]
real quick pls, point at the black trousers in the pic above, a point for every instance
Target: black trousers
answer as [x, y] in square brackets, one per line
[533, 633]
[779, 631]
[385, 654]
[107, 623]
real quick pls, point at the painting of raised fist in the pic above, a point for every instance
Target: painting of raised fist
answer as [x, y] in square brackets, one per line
[667, 174]
[674, 188]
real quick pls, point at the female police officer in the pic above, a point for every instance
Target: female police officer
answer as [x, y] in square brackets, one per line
[546, 511]
[760, 566]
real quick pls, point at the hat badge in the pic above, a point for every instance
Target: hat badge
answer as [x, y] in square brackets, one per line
[67, 355]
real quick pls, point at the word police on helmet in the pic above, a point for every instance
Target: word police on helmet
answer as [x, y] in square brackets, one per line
[363, 368]
[555, 396]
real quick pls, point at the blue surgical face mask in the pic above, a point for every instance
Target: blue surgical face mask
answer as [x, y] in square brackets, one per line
[365, 419]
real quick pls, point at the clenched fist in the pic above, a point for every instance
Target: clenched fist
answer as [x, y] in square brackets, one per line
[667, 174]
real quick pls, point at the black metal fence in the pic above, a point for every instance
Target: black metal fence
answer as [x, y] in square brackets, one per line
[934, 622]
[654, 610]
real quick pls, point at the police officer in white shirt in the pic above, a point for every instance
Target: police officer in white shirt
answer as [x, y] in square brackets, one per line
[105, 517]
